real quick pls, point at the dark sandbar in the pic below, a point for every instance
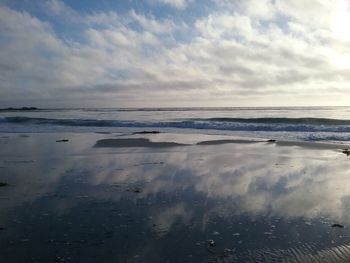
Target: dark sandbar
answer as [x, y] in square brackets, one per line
[147, 132]
[143, 142]
[135, 142]
[218, 142]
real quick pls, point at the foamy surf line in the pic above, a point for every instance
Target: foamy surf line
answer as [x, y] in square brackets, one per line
[297, 129]
[234, 124]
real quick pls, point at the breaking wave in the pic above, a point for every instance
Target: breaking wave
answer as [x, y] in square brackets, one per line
[231, 124]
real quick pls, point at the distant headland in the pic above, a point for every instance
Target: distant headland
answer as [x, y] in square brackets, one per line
[20, 109]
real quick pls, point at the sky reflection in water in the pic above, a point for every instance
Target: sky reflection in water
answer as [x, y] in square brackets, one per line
[73, 202]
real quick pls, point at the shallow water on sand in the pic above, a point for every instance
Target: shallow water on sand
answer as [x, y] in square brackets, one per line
[257, 202]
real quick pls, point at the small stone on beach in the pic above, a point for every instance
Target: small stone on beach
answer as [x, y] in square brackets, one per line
[211, 243]
[137, 190]
[59, 259]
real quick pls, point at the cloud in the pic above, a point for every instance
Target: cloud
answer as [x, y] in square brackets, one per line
[178, 4]
[151, 24]
[58, 7]
[282, 53]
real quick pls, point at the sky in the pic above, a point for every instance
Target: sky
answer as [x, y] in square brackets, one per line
[174, 53]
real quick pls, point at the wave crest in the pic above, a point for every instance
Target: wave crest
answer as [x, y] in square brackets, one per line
[231, 124]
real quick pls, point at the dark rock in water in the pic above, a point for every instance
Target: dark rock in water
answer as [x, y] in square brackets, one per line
[1, 228]
[346, 151]
[64, 140]
[271, 140]
[337, 225]
[3, 184]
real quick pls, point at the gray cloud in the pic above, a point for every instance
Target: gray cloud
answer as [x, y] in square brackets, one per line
[239, 50]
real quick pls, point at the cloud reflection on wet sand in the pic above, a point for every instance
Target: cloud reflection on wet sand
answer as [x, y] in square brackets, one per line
[202, 190]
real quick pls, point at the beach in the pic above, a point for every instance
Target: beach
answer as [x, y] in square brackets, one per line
[174, 131]
[170, 197]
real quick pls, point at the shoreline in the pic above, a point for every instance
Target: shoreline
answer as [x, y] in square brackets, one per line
[154, 187]
[155, 139]
[146, 142]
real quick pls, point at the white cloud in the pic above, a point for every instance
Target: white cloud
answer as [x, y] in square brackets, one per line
[151, 24]
[236, 51]
[59, 8]
[178, 4]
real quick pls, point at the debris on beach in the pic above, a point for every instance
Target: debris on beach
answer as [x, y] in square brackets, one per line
[60, 259]
[3, 184]
[137, 190]
[211, 243]
[225, 255]
[346, 151]
[63, 140]
[337, 225]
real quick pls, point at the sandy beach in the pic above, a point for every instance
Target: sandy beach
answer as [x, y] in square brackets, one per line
[138, 198]
[174, 131]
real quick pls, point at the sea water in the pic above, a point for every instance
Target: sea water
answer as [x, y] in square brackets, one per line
[326, 124]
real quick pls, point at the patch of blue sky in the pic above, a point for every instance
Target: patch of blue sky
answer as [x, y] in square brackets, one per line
[70, 27]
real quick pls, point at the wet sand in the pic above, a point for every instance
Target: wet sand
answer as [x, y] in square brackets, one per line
[149, 143]
[109, 198]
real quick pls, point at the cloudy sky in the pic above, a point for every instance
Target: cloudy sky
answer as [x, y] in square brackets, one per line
[136, 53]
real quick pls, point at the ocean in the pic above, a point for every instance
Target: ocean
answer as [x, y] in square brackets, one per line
[324, 124]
